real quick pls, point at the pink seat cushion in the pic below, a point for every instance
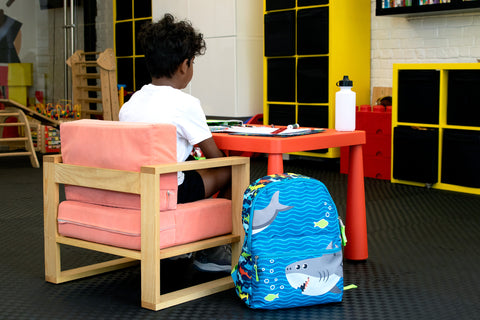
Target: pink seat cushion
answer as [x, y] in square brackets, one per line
[121, 146]
[121, 227]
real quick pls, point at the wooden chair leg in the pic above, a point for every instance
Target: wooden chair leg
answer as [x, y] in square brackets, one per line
[150, 240]
[50, 207]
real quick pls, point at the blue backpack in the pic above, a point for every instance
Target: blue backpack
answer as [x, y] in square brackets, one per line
[292, 253]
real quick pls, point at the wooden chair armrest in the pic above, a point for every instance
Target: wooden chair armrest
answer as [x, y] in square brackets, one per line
[195, 165]
[129, 181]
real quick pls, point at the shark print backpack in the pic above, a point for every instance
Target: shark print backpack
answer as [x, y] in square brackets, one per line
[292, 252]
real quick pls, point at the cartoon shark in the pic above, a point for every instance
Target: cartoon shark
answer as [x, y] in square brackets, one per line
[264, 217]
[316, 276]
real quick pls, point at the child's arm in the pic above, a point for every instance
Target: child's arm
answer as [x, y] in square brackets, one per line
[217, 178]
[210, 149]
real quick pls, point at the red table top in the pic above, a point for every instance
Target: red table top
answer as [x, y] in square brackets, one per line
[330, 138]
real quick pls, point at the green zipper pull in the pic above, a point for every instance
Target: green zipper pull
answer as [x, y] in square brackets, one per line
[342, 231]
[256, 269]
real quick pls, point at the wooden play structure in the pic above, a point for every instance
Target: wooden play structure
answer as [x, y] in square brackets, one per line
[101, 67]
[25, 139]
[19, 111]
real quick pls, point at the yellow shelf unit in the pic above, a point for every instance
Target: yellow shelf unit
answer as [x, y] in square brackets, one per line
[128, 18]
[454, 115]
[309, 46]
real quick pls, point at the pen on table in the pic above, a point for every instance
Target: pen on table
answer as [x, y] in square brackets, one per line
[279, 130]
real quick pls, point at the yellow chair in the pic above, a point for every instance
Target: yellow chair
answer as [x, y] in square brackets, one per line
[92, 169]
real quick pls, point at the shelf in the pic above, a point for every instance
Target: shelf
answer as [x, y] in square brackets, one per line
[455, 6]
[307, 53]
[436, 141]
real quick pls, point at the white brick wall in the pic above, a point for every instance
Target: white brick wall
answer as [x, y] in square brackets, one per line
[439, 38]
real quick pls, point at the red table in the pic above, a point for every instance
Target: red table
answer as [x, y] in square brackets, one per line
[356, 224]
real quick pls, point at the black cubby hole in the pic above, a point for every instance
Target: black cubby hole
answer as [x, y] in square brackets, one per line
[142, 8]
[123, 9]
[123, 30]
[463, 97]
[125, 72]
[281, 114]
[281, 79]
[279, 33]
[138, 28]
[418, 96]
[312, 80]
[313, 116]
[142, 76]
[312, 31]
[415, 154]
[460, 154]
[279, 4]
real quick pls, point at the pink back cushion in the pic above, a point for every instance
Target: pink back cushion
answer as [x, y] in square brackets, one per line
[121, 146]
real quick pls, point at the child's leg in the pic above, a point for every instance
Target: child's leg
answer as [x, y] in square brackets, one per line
[192, 189]
[217, 179]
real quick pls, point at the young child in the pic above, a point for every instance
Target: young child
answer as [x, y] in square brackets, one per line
[170, 49]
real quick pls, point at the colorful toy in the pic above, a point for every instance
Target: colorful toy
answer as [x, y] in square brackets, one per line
[59, 111]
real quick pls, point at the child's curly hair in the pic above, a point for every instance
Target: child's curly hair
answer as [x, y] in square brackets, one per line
[167, 44]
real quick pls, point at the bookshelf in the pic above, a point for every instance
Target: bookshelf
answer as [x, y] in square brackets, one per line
[436, 126]
[309, 45]
[409, 7]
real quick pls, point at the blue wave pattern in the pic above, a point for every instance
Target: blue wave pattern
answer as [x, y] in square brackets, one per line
[307, 229]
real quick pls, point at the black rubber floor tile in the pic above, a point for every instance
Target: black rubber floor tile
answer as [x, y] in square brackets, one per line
[423, 259]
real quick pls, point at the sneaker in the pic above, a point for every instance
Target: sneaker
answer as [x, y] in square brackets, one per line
[182, 256]
[214, 260]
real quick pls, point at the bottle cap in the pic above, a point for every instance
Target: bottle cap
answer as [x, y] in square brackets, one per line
[345, 82]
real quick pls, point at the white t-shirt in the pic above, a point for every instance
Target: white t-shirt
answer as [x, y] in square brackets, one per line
[164, 104]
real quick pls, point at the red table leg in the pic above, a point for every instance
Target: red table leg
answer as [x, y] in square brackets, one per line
[275, 163]
[356, 219]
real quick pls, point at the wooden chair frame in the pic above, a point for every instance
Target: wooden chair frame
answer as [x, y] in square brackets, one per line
[147, 184]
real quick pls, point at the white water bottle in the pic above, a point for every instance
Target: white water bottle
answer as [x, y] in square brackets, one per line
[345, 106]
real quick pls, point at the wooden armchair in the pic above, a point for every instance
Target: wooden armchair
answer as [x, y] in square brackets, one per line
[124, 203]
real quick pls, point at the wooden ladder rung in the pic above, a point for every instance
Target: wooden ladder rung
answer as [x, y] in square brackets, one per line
[89, 75]
[87, 63]
[94, 112]
[9, 114]
[90, 53]
[12, 154]
[13, 139]
[12, 124]
[90, 88]
[91, 100]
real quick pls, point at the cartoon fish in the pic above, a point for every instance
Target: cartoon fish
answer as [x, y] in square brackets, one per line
[243, 296]
[322, 224]
[244, 273]
[270, 297]
[264, 217]
[316, 276]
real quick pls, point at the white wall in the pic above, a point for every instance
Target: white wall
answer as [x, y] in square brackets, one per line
[228, 79]
[439, 38]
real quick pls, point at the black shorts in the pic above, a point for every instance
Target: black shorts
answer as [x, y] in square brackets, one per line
[192, 188]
